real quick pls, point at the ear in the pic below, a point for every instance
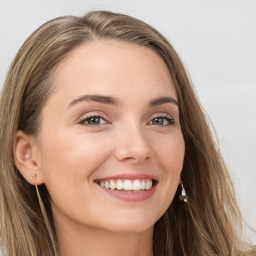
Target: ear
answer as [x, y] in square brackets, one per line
[27, 157]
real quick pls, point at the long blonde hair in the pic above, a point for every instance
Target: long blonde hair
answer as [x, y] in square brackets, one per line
[208, 225]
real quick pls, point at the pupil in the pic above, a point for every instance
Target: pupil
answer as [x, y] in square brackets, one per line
[158, 121]
[94, 120]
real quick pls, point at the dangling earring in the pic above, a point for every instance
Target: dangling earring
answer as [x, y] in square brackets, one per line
[33, 176]
[183, 197]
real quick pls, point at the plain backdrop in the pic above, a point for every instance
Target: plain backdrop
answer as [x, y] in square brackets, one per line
[216, 41]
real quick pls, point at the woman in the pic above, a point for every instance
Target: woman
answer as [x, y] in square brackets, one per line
[105, 149]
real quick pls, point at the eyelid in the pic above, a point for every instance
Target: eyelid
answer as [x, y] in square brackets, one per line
[163, 115]
[92, 114]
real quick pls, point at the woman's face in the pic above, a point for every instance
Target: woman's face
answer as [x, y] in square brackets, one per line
[109, 131]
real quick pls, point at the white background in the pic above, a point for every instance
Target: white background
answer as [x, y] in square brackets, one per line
[217, 43]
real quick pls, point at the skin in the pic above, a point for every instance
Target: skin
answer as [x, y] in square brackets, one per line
[70, 154]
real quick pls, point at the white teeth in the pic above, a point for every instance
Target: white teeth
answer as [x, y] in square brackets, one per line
[112, 185]
[128, 185]
[119, 185]
[148, 185]
[107, 184]
[143, 185]
[136, 185]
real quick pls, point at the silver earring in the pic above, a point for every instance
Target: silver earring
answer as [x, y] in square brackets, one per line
[183, 197]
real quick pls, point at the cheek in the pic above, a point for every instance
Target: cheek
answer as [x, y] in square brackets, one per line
[170, 157]
[72, 160]
[171, 154]
[69, 164]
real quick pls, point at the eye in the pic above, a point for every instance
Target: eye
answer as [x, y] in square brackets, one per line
[92, 120]
[163, 120]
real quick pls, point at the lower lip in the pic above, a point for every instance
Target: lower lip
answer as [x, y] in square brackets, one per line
[130, 195]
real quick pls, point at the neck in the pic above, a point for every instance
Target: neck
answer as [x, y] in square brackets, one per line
[79, 241]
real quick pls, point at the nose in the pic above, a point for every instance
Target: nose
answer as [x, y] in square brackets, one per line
[132, 145]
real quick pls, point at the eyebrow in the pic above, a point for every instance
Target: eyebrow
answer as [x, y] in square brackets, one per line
[113, 101]
[96, 98]
[163, 100]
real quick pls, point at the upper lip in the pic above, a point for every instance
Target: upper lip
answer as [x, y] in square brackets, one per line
[130, 176]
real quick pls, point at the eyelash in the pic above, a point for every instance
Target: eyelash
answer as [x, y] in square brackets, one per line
[84, 120]
[167, 117]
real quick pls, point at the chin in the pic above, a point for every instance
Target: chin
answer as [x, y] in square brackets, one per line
[132, 224]
[131, 229]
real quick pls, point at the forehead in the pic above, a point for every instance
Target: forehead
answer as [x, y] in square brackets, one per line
[113, 67]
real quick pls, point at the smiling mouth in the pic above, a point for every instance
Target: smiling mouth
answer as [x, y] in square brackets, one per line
[136, 185]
